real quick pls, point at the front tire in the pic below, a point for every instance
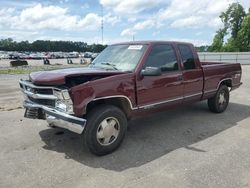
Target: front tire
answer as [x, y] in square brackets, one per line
[105, 129]
[219, 102]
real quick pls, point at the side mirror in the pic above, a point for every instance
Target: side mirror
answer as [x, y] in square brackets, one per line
[151, 71]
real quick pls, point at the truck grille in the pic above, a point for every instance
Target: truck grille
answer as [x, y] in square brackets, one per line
[38, 94]
[45, 102]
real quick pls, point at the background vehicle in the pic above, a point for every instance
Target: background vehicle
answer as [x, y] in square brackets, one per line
[124, 81]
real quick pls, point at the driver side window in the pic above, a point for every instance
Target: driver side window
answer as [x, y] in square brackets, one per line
[162, 56]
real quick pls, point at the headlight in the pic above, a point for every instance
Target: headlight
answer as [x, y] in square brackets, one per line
[63, 102]
[65, 95]
[62, 94]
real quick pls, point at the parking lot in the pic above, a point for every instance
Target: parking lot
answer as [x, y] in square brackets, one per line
[185, 147]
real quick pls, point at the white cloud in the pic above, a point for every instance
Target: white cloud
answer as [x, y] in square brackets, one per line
[156, 33]
[38, 13]
[85, 6]
[192, 13]
[132, 19]
[109, 19]
[147, 24]
[143, 25]
[182, 14]
[129, 6]
[180, 8]
[128, 32]
[19, 35]
[192, 21]
[90, 21]
[51, 17]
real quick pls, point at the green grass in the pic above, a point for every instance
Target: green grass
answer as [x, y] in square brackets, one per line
[15, 71]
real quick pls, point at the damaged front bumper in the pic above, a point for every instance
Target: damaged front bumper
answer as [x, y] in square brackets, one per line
[52, 104]
[54, 117]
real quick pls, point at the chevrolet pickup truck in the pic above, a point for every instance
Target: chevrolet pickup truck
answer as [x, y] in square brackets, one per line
[126, 80]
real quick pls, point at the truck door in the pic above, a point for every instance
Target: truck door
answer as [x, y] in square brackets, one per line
[192, 73]
[163, 89]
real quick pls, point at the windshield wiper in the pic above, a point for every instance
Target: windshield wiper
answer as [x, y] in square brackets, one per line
[110, 64]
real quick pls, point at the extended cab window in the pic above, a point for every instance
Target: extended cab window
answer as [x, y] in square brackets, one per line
[187, 56]
[162, 56]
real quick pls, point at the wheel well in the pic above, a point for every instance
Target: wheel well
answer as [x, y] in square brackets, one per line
[227, 83]
[119, 102]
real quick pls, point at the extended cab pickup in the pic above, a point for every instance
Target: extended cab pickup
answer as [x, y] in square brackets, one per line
[124, 81]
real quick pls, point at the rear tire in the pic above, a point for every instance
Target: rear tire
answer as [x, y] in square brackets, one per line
[105, 129]
[219, 102]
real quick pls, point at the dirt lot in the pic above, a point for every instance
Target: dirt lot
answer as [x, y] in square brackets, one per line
[187, 147]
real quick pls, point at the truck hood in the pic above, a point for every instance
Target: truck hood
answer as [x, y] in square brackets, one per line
[58, 77]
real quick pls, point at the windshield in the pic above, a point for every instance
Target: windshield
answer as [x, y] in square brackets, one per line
[122, 57]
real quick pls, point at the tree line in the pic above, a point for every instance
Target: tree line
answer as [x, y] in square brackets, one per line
[49, 46]
[234, 36]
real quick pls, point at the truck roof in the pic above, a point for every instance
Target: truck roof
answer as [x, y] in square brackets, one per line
[153, 42]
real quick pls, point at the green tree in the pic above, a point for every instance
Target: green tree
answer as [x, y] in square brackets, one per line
[232, 20]
[244, 34]
[218, 41]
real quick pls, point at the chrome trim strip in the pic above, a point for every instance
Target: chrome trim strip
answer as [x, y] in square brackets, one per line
[148, 105]
[222, 81]
[39, 96]
[170, 100]
[35, 95]
[193, 95]
[210, 91]
[117, 96]
[218, 85]
[162, 102]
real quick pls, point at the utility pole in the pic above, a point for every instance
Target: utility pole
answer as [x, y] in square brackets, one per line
[102, 25]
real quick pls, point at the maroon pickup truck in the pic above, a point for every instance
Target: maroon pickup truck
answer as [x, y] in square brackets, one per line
[126, 80]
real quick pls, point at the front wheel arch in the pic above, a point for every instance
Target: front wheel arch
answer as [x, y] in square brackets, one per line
[120, 102]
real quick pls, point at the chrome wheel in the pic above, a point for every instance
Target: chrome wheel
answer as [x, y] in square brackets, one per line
[222, 98]
[220, 101]
[108, 131]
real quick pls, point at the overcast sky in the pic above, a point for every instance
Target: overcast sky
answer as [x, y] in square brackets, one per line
[80, 20]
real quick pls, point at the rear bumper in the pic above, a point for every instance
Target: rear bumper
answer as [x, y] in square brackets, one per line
[236, 86]
[55, 117]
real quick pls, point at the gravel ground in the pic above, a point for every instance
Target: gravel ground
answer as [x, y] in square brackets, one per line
[187, 147]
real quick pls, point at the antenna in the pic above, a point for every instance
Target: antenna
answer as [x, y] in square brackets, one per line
[102, 25]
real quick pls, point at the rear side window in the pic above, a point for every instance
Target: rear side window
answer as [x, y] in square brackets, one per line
[187, 57]
[162, 56]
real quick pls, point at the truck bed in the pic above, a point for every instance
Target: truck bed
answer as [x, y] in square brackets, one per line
[215, 72]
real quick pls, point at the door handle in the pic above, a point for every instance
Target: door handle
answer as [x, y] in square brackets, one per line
[179, 78]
